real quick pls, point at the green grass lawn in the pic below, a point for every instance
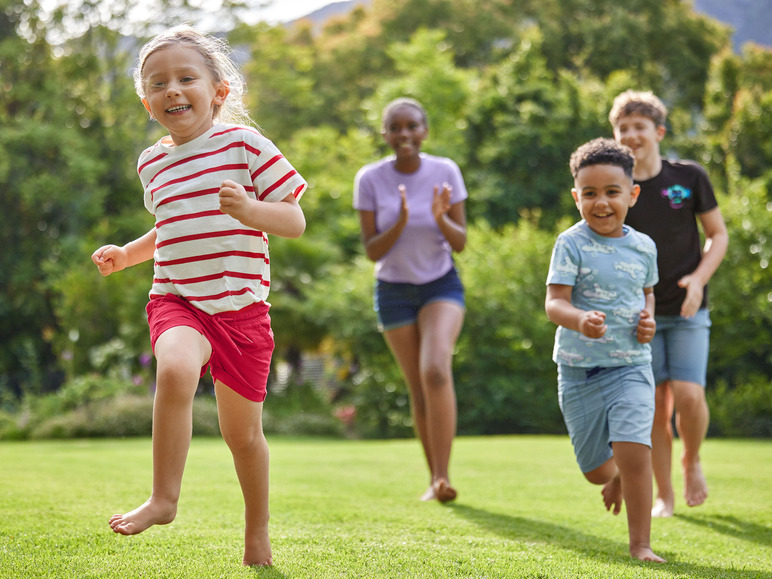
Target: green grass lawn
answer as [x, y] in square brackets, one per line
[351, 509]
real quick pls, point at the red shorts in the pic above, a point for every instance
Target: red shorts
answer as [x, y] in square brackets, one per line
[242, 341]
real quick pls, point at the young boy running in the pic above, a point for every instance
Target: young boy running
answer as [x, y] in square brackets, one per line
[674, 196]
[599, 293]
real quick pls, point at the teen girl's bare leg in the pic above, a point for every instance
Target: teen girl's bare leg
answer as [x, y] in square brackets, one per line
[241, 425]
[662, 450]
[424, 352]
[180, 353]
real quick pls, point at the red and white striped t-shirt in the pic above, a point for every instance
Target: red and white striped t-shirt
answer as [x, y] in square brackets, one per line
[203, 255]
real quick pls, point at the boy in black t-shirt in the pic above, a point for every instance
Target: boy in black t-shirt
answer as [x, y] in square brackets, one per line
[674, 197]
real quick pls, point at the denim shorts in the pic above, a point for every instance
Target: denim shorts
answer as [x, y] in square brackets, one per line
[679, 349]
[605, 405]
[398, 304]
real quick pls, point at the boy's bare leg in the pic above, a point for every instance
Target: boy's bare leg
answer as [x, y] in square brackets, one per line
[692, 418]
[607, 475]
[242, 429]
[180, 352]
[634, 463]
[662, 450]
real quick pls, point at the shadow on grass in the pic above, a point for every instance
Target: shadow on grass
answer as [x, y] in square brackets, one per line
[522, 529]
[732, 526]
[268, 573]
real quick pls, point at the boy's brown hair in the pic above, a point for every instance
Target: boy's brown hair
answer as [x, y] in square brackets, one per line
[644, 103]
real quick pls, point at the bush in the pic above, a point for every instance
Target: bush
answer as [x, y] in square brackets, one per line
[744, 411]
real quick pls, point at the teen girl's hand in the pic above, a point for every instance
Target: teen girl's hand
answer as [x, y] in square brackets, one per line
[233, 199]
[403, 210]
[441, 201]
[646, 327]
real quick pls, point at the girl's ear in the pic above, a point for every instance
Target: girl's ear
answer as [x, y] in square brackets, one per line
[221, 92]
[147, 107]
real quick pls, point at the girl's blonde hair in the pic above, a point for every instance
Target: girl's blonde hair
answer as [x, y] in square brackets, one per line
[216, 54]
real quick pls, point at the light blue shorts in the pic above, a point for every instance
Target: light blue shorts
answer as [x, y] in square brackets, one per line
[605, 405]
[679, 349]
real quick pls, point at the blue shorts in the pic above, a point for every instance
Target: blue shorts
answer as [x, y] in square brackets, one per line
[397, 304]
[605, 405]
[679, 349]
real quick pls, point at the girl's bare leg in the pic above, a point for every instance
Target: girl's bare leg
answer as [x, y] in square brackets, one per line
[180, 353]
[242, 428]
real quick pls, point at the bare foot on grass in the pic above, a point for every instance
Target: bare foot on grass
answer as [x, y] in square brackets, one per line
[257, 549]
[612, 495]
[662, 508]
[443, 491]
[152, 512]
[428, 495]
[644, 553]
[695, 486]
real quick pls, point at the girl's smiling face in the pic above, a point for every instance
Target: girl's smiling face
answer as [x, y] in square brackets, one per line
[603, 195]
[180, 91]
[404, 131]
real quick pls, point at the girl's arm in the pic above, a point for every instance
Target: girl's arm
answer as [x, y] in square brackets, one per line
[451, 219]
[111, 258]
[284, 219]
[562, 312]
[378, 244]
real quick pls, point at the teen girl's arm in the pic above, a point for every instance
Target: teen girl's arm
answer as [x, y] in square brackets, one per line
[716, 243]
[646, 324]
[378, 244]
[284, 218]
[562, 312]
[451, 219]
[111, 258]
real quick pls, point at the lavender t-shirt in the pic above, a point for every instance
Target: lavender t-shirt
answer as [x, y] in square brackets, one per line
[421, 254]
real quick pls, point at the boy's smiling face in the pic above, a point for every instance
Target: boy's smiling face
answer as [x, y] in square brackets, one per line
[181, 94]
[603, 194]
[641, 135]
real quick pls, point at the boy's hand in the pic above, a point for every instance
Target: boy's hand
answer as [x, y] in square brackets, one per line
[694, 291]
[646, 329]
[592, 324]
[109, 259]
[233, 198]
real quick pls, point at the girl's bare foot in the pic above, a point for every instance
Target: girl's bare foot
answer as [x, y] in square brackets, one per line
[662, 508]
[152, 512]
[612, 495]
[257, 549]
[644, 553]
[695, 486]
[428, 495]
[443, 491]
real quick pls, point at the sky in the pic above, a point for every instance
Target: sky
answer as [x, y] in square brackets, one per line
[286, 10]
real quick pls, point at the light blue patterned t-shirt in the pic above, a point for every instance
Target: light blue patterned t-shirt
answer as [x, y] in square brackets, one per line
[608, 274]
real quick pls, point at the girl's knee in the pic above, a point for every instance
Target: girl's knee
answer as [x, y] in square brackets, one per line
[436, 376]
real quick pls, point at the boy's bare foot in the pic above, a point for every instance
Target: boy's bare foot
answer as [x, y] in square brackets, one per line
[612, 495]
[152, 512]
[443, 491]
[257, 549]
[428, 495]
[644, 553]
[695, 486]
[662, 508]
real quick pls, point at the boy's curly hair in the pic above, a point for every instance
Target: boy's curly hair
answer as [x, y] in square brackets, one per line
[644, 103]
[602, 152]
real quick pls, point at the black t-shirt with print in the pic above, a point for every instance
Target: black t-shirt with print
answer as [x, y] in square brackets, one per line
[667, 211]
